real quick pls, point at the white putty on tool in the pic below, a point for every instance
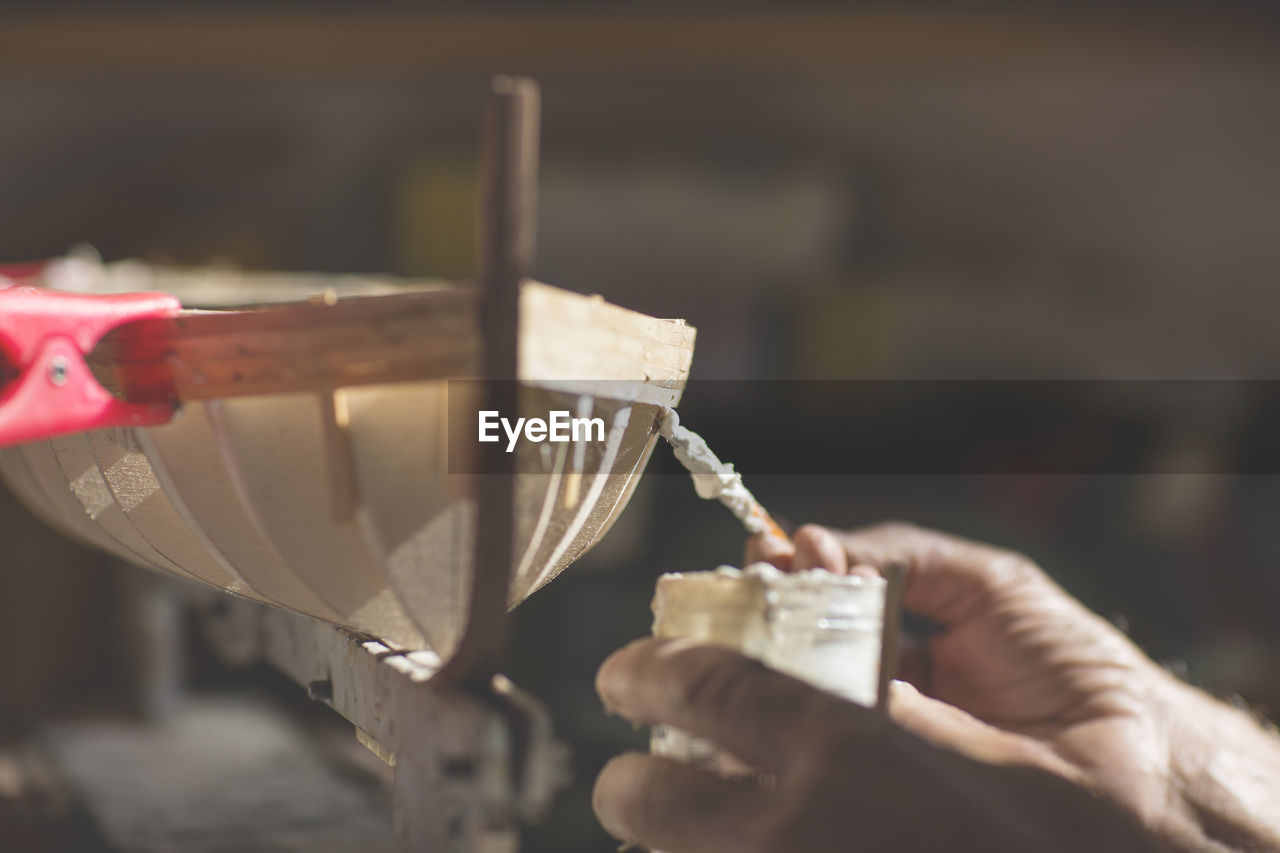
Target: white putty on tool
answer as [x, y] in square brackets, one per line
[713, 479]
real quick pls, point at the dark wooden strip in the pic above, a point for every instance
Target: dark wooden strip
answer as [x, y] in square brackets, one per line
[509, 207]
[293, 347]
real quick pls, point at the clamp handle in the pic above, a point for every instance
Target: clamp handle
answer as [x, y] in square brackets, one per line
[44, 338]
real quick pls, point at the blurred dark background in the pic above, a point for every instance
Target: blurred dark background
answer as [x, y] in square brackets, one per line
[827, 191]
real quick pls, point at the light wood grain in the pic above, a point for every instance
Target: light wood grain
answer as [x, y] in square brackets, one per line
[186, 459]
[240, 493]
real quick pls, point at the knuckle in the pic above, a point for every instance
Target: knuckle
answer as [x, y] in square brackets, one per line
[1012, 570]
[896, 528]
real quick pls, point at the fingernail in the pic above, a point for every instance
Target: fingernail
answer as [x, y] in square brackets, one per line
[897, 685]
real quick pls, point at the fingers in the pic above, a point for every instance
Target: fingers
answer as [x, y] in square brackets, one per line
[666, 805]
[950, 728]
[819, 548]
[812, 547]
[764, 548]
[760, 716]
[949, 579]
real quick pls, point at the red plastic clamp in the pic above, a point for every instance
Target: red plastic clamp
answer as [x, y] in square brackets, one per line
[46, 387]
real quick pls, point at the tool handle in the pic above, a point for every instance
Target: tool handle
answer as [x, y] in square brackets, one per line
[46, 387]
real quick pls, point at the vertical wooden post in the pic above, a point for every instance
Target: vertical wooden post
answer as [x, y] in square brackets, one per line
[508, 211]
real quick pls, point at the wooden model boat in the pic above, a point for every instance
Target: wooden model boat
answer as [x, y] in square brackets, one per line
[344, 505]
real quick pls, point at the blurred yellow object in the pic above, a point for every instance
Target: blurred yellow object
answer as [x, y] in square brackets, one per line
[436, 230]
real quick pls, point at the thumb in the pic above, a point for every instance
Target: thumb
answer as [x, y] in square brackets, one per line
[950, 728]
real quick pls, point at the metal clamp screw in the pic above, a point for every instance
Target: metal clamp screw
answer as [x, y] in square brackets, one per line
[58, 370]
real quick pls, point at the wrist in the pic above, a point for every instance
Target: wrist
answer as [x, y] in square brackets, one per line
[1225, 770]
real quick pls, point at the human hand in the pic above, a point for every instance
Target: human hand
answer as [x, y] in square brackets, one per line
[1044, 729]
[837, 776]
[1014, 651]
[1023, 669]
